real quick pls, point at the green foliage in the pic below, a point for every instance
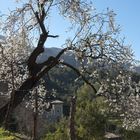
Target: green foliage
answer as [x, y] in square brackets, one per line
[130, 135]
[62, 80]
[90, 115]
[58, 131]
[6, 135]
[90, 118]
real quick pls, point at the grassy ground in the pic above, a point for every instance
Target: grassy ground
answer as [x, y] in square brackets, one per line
[6, 135]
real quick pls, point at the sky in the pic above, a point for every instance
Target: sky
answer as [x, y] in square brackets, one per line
[128, 16]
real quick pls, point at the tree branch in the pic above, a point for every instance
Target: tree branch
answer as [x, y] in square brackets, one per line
[79, 74]
[39, 49]
[53, 36]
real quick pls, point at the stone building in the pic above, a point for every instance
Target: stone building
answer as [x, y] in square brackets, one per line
[56, 112]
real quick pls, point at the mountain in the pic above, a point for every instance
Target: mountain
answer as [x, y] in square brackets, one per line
[62, 80]
[68, 57]
[2, 38]
[137, 69]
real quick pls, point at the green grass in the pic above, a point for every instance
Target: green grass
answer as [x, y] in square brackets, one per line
[6, 135]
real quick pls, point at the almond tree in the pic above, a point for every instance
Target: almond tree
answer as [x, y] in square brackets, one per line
[95, 41]
[122, 93]
[13, 53]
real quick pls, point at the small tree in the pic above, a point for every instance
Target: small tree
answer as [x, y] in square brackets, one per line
[14, 52]
[91, 115]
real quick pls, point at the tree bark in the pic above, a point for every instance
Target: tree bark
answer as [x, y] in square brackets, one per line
[72, 118]
[18, 96]
[35, 117]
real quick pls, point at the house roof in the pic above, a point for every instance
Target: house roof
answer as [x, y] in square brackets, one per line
[111, 135]
[57, 102]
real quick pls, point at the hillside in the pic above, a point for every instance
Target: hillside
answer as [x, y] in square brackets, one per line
[62, 80]
[68, 57]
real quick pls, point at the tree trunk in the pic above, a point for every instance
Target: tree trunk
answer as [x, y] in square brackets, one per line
[35, 116]
[18, 96]
[72, 120]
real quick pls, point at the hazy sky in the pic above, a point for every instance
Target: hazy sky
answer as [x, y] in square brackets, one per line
[128, 16]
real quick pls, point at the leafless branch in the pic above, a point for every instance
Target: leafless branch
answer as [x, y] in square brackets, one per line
[79, 74]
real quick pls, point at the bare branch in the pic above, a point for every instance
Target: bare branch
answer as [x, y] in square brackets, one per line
[79, 74]
[53, 36]
[47, 65]
[61, 53]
